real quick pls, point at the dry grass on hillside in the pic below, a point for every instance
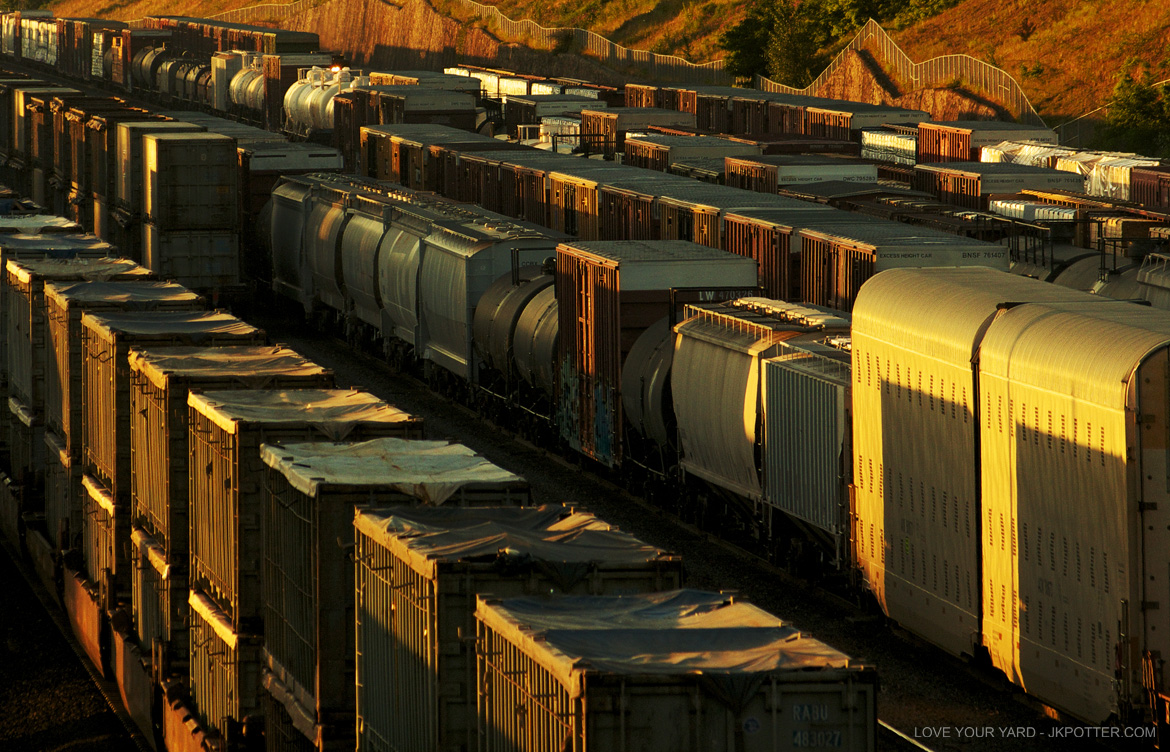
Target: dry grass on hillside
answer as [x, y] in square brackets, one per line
[687, 28]
[1066, 54]
[129, 10]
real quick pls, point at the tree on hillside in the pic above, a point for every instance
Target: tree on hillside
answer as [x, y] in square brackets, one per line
[778, 38]
[1139, 116]
[842, 18]
[746, 43]
[793, 53]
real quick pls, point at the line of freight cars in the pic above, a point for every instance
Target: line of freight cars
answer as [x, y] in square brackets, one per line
[907, 137]
[721, 473]
[182, 488]
[177, 191]
[168, 56]
[239, 70]
[65, 143]
[805, 251]
[752, 407]
[281, 80]
[596, 442]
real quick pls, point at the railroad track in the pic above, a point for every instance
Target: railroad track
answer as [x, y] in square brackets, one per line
[130, 738]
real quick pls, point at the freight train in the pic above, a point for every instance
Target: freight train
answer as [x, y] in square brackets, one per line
[663, 362]
[748, 409]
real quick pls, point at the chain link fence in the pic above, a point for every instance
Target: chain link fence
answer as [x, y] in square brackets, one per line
[947, 70]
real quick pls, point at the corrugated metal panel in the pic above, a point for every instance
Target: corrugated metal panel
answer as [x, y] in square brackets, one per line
[917, 515]
[328, 221]
[202, 259]
[130, 136]
[291, 275]
[225, 432]
[99, 520]
[66, 302]
[1154, 277]
[602, 312]
[63, 494]
[27, 334]
[590, 357]
[567, 705]
[105, 343]
[386, 585]
[308, 579]
[398, 271]
[807, 447]
[225, 668]
[719, 433]
[159, 383]
[360, 264]
[26, 443]
[415, 681]
[159, 598]
[715, 380]
[1075, 438]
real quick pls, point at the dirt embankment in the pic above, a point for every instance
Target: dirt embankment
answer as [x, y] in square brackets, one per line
[861, 79]
[377, 34]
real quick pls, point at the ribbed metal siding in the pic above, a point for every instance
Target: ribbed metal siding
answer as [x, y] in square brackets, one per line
[155, 452]
[26, 336]
[806, 439]
[26, 443]
[57, 375]
[203, 259]
[148, 594]
[226, 502]
[64, 395]
[62, 493]
[107, 411]
[224, 681]
[521, 705]
[97, 534]
[101, 452]
[280, 734]
[291, 579]
[215, 546]
[590, 358]
[386, 587]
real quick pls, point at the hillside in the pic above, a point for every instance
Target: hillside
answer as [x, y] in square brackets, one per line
[1060, 51]
[1066, 54]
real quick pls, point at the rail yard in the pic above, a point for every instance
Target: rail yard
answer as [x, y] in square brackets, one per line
[653, 379]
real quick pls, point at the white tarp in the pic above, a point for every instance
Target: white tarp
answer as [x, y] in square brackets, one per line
[191, 324]
[673, 633]
[1031, 211]
[550, 533]
[337, 410]
[887, 146]
[430, 471]
[246, 362]
[1030, 153]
